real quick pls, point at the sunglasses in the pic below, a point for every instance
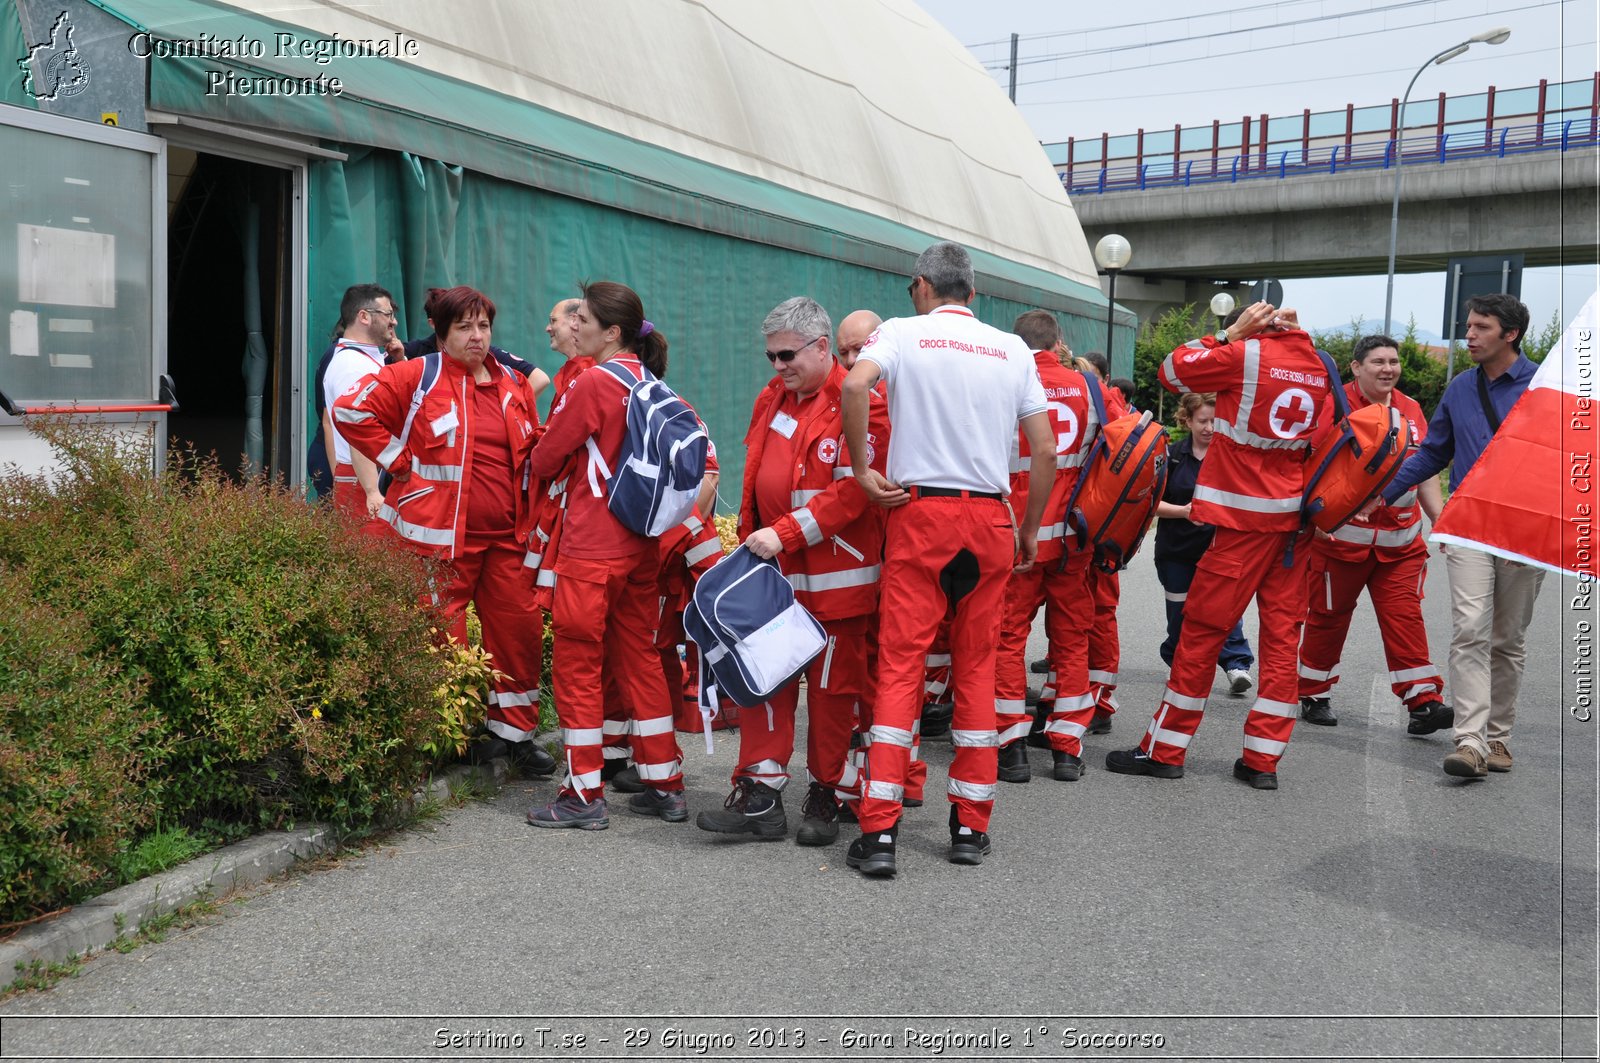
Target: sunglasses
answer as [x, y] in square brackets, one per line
[788, 356]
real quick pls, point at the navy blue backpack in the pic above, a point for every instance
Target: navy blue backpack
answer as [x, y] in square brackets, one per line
[663, 459]
[754, 638]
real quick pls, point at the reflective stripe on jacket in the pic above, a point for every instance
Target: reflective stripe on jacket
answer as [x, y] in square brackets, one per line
[432, 466]
[833, 535]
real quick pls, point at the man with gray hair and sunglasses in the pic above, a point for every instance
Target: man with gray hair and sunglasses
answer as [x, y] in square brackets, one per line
[801, 504]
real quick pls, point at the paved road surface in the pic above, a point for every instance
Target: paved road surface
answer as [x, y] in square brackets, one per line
[1372, 908]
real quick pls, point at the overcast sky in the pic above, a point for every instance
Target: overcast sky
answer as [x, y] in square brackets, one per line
[1084, 69]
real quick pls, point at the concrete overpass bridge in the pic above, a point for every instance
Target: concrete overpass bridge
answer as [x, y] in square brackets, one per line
[1317, 204]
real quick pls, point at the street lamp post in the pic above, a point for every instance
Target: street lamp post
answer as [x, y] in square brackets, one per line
[1111, 254]
[1498, 35]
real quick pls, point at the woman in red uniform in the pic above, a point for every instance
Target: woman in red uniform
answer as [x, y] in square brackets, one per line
[1385, 555]
[459, 459]
[605, 605]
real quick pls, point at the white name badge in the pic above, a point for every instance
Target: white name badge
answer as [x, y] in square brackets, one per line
[784, 425]
[445, 423]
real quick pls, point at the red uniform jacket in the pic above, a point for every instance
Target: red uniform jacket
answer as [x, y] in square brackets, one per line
[1074, 422]
[426, 508]
[833, 537]
[1269, 389]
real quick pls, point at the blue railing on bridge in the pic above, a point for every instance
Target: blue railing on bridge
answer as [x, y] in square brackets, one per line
[1339, 158]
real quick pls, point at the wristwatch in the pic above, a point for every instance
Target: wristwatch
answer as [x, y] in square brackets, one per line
[1222, 335]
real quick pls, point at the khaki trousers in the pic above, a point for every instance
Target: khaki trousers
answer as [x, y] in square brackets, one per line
[1491, 604]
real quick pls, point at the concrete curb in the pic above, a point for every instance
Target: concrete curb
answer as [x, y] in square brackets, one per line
[96, 923]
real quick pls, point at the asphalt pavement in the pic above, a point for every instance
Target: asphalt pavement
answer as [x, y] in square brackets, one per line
[1371, 908]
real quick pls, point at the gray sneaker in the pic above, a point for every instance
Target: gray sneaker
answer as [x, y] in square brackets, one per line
[570, 810]
[668, 804]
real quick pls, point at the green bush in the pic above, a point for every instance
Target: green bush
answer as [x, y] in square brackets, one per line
[273, 663]
[73, 783]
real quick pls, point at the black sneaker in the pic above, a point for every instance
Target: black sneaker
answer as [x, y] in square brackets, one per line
[1137, 762]
[873, 854]
[668, 804]
[1014, 766]
[819, 817]
[1429, 717]
[967, 846]
[1067, 768]
[1318, 711]
[1100, 723]
[1261, 780]
[936, 718]
[1037, 739]
[486, 747]
[626, 780]
[752, 808]
[530, 758]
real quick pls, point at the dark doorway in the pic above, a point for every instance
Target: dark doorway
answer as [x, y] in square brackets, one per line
[228, 321]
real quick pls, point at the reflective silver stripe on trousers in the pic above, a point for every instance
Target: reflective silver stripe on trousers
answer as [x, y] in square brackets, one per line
[580, 736]
[972, 791]
[659, 726]
[935, 660]
[1183, 701]
[974, 739]
[514, 697]
[1062, 727]
[1405, 676]
[1247, 502]
[1105, 679]
[658, 772]
[1265, 745]
[1173, 738]
[885, 791]
[1010, 706]
[769, 769]
[832, 581]
[894, 736]
[617, 727]
[1312, 673]
[1014, 732]
[1286, 709]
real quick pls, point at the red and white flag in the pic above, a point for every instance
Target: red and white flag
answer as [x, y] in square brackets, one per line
[1533, 493]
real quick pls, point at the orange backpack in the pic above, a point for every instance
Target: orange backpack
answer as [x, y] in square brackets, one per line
[1353, 461]
[1114, 500]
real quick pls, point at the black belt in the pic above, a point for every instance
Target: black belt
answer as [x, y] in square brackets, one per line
[950, 492]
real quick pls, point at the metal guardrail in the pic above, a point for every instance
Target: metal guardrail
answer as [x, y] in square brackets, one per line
[1370, 155]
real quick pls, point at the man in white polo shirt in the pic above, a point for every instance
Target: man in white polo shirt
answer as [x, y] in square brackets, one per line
[957, 391]
[368, 311]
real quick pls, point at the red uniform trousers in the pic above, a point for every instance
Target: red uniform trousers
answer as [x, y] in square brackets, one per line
[1105, 646]
[1395, 587]
[348, 497]
[835, 681]
[855, 769]
[605, 617]
[973, 537]
[1237, 566]
[489, 574]
[1063, 591]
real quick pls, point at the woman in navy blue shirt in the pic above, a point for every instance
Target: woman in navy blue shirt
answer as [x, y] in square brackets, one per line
[1180, 541]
